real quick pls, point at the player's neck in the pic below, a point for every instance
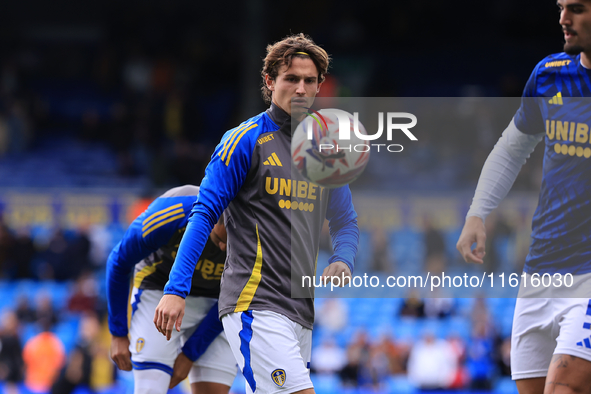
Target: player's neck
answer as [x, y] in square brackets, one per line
[586, 60]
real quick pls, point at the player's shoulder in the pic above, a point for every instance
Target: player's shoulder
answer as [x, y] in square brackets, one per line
[250, 129]
[243, 137]
[557, 62]
[175, 203]
[180, 191]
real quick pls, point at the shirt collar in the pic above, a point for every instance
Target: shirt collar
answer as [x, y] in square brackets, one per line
[280, 118]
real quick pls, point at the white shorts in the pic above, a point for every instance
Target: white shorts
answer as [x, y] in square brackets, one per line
[543, 327]
[272, 351]
[150, 349]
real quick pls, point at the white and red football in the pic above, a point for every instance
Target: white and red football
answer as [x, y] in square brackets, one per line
[324, 154]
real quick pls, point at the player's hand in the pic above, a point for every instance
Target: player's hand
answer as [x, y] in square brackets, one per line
[219, 236]
[169, 314]
[120, 352]
[339, 270]
[473, 231]
[181, 369]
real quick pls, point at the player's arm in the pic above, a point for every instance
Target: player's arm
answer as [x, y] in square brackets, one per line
[496, 179]
[500, 170]
[344, 232]
[207, 331]
[145, 235]
[224, 176]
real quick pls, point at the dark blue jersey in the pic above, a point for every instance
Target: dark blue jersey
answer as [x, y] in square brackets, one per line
[557, 101]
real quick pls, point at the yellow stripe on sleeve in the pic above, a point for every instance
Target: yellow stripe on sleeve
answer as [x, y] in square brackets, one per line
[247, 293]
[152, 216]
[236, 130]
[236, 143]
[172, 219]
[231, 139]
[159, 218]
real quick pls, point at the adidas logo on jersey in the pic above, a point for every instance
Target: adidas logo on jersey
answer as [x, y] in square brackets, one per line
[556, 99]
[273, 160]
[585, 343]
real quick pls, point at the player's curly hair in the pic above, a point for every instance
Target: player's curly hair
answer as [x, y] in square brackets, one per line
[282, 52]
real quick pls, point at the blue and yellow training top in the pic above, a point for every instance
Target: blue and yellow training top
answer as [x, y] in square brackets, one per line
[273, 219]
[149, 248]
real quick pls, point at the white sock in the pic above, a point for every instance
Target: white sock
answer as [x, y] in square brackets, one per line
[150, 381]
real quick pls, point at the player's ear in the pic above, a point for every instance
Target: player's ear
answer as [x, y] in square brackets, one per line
[270, 82]
[318, 88]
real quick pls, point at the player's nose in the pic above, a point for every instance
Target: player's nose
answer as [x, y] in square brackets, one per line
[565, 19]
[301, 87]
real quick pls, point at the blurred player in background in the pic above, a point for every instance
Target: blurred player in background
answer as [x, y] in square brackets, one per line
[551, 351]
[150, 245]
[269, 331]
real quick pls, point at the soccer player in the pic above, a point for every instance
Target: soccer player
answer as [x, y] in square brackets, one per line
[550, 348]
[273, 218]
[150, 246]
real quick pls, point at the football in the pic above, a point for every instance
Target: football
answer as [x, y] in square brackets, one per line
[327, 154]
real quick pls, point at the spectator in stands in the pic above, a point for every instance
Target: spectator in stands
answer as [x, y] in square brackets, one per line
[11, 360]
[413, 306]
[78, 369]
[396, 354]
[333, 315]
[44, 356]
[432, 364]
[479, 358]
[77, 254]
[357, 359]
[377, 368]
[458, 347]
[434, 247]
[85, 295]
[45, 312]
[24, 311]
[55, 257]
[328, 358]
[380, 259]
[480, 314]
[24, 252]
[437, 306]
[6, 249]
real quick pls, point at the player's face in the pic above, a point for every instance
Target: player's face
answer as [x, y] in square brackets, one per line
[575, 19]
[295, 87]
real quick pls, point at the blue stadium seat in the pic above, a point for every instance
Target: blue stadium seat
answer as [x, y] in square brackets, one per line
[399, 384]
[326, 384]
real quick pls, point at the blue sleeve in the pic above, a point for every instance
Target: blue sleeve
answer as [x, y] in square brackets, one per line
[342, 221]
[208, 330]
[528, 118]
[151, 230]
[224, 177]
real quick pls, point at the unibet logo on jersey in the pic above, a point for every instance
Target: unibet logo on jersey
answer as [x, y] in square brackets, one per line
[576, 135]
